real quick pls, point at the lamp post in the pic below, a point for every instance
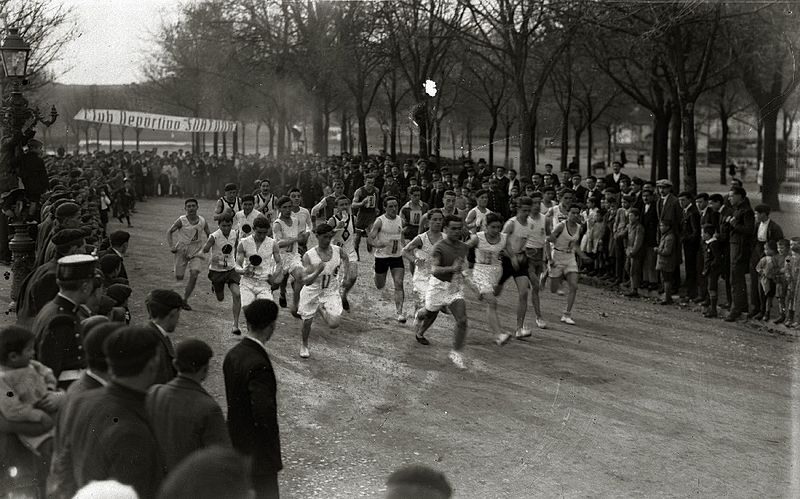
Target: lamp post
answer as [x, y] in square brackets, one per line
[18, 126]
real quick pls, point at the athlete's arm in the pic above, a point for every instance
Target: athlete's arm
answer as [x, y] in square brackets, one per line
[357, 195]
[408, 249]
[318, 207]
[175, 227]
[470, 221]
[473, 241]
[373, 235]
[240, 267]
[332, 222]
[205, 229]
[310, 271]
[276, 253]
[555, 233]
[208, 245]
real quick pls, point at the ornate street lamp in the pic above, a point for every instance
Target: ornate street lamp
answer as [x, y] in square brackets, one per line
[18, 123]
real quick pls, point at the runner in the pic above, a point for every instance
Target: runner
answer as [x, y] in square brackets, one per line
[386, 237]
[365, 200]
[323, 211]
[476, 218]
[243, 221]
[411, 215]
[342, 222]
[564, 239]
[489, 244]
[419, 252]
[289, 234]
[448, 259]
[449, 208]
[515, 263]
[303, 217]
[222, 244]
[321, 284]
[265, 202]
[230, 201]
[258, 260]
[192, 234]
[555, 215]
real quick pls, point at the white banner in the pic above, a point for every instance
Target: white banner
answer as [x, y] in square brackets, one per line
[152, 121]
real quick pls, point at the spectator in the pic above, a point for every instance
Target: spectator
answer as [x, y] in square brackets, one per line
[766, 231]
[690, 241]
[184, 416]
[740, 227]
[417, 482]
[164, 309]
[209, 473]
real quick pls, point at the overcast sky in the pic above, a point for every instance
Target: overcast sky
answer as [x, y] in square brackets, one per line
[115, 38]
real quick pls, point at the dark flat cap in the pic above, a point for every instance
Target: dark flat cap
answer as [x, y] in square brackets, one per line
[119, 293]
[71, 237]
[192, 354]
[67, 209]
[130, 346]
[166, 298]
[119, 237]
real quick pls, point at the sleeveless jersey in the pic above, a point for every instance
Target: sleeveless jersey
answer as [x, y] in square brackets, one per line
[487, 253]
[371, 200]
[220, 261]
[266, 205]
[240, 219]
[557, 214]
[391, 233]
[424, 253]
[480, 219]
[192, 237]
[279, 228]
[413, 214]
[537, 235]
[343, 237]
[565, 241]
[327, 281]
[267, 266]
[519, 237]
[235, 206]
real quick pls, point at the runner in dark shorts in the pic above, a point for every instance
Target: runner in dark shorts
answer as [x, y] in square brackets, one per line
[365, 200]
[219, 280]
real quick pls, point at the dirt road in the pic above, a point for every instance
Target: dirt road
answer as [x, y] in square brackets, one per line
[641, 401]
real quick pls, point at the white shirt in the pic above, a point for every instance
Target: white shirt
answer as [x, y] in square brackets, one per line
[762, 231]
[96, 377]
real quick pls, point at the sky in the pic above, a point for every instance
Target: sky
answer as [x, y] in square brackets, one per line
[115, 39]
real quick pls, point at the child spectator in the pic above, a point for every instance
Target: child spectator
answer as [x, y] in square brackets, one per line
[793, 285]
[768, 269]
[665, 263]
[28, 387]
[595, 228]
[713, 265]
[634, 252]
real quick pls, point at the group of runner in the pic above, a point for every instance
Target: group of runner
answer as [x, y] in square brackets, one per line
[263, 241]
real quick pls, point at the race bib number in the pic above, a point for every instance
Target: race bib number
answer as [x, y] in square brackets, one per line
[416, 216]
[326, 281]
[370, 202]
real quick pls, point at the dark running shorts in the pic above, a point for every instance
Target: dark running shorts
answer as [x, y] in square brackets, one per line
[382, 265]
[221, 279]
[509, 271]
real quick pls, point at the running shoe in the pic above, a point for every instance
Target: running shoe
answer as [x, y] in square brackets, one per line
[345, 303]
[282, 301]
[567, 320]
[401, 318]
[422, 340]
[237, 331]
[523, 332]
[304, 353]
[502, 339]
[185, 306]
[457, 359]
[540, 323]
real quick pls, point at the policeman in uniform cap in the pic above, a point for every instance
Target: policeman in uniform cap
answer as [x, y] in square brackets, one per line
[59, 341]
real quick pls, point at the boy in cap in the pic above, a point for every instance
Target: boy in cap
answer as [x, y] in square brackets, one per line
[164, 308]
[222, 266]
[119, 240]
[184, 416]
[192, 232]
[120, 294]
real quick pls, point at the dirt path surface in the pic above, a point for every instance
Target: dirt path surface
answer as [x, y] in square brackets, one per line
[636, 400]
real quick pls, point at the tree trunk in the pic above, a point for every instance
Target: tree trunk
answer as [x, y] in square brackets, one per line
[225, 144]
[608, 145]
[760, 141]
[362, 132]
[508, 144]
[122, 136]
[689, 148]
[271, 128]
[97, 137]
[110, 145]
[318, 127]
[280, 149]
[578, 134]
[138, 133]
[492, 131]
[258, 132]
[326, 126]
[590, 151]
[469, 140]
[453, 140]
[410, 140]
[438, 148]
[421, 119]
[343, 134]
[527, 143]
[660, 162]
[244, 132]
[564, 138]
[385, 143]
[723, 173]
[675, 147]
[770, 185]
[216, 143]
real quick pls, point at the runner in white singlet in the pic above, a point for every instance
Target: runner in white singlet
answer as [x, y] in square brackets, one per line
[244, 218]
[289, 234]
[258, 260]
[565, 241]
[419, 251]
[265, 202]
[515, 263]
[344, 230]
[192, 232]
[323, 264]
[222, 244]
[386, 236]
[476, 217]
[486, 274]
[534, 254]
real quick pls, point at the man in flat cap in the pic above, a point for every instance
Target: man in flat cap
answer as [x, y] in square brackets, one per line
[68, 216]
[669, 210]
[164, 309]
[119, 241]
[107, 432]
[59, 342]
[184, 416]
[40, 286]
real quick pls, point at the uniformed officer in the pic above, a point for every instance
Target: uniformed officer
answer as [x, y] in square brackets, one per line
[59, 342]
